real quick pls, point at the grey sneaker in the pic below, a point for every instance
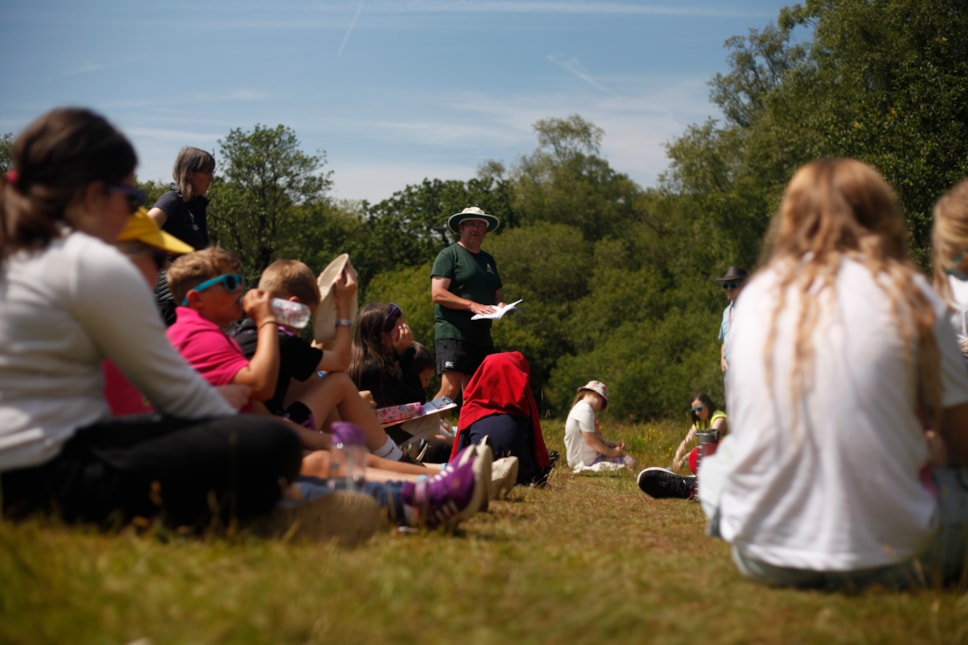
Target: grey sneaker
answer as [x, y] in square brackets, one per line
[346, 517]
[661, 483]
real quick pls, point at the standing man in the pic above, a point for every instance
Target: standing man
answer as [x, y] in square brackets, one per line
[463, 282]
[732, 283]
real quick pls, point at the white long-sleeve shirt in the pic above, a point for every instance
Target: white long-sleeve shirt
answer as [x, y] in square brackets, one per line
[62, 311]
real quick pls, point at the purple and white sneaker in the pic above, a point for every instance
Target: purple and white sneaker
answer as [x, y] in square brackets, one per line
[441, 499]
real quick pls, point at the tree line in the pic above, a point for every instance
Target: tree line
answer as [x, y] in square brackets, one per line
[617, 279]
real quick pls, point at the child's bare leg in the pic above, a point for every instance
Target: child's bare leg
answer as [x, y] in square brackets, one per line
[381, 463]
[336, 391]
[316, 464]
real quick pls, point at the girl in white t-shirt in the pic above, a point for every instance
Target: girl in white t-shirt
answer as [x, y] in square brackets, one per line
[584, 444]
[826, 480]
[950, 242]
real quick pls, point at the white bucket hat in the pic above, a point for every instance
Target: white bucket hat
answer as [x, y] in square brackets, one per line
[324, 322]
[598, 388]
[472, 212]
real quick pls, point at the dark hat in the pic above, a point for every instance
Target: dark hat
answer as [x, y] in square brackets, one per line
[733, 274]
[472, 212]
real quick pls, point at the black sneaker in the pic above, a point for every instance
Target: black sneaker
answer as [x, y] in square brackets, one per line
[661, 483]
[554, 456]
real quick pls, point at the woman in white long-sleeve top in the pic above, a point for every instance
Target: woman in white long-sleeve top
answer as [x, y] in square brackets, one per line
[69, 300]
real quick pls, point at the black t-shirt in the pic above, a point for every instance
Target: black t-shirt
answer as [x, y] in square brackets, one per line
[392, 389]
[188, 221]
[297, 358]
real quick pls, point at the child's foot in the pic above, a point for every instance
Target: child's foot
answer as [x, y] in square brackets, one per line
[482, 457]
[441, 500]
[504, 475]
[662, 484]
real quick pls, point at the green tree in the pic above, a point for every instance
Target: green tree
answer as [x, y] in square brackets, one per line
[884, 81]
[6, 152]
[411, 226]
[565, 181]
[268, 196]
[896, 74]
[154, 188]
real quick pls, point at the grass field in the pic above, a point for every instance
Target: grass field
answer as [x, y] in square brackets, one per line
[589, 559]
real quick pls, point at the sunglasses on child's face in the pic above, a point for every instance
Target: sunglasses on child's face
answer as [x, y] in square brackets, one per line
[231, 282]
[698, 407]
[732, 285]
[135, 196]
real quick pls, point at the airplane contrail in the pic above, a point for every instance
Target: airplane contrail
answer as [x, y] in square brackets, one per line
[349, 30]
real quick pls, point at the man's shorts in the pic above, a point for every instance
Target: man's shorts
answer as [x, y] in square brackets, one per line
[457, 356]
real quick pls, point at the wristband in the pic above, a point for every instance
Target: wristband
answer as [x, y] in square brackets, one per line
[344, 322]
[268, 322]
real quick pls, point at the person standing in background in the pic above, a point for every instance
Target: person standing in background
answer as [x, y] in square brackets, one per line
[182, 212]
[464, 282]
[732, 281]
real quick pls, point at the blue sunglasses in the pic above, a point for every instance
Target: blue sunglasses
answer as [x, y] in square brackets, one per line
[231, 281]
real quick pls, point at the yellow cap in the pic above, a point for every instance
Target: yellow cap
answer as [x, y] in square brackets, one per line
[142, 228]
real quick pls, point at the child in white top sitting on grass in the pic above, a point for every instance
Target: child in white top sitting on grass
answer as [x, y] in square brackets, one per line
[585, 446]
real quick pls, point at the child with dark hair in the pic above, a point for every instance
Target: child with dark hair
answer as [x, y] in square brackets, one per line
[384, 363]
[705, 416]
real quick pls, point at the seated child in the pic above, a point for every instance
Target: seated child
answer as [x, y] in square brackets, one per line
[383, 363]
[585, 446]
[210, 292]
[499, 406]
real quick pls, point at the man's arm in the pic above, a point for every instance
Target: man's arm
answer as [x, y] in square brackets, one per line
[441, 295]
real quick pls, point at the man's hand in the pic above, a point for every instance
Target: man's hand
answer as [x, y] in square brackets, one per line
[476, 308]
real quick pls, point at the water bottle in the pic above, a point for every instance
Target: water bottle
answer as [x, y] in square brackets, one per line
[708, 442]
[347, 456]
[289, 313]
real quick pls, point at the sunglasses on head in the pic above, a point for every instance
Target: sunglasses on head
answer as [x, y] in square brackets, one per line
[698, 407]
[135, 196]
[392, 316]
[231, 282]
[732, 285]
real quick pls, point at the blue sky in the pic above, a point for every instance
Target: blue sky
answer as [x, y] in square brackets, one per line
[392, 91]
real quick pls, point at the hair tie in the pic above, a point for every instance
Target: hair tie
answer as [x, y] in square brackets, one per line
[13, 176]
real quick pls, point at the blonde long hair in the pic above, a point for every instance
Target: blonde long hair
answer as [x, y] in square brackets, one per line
[949, 233]
[842, 208]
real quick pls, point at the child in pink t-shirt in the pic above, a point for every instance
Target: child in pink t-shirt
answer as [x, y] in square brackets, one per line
[207, 286]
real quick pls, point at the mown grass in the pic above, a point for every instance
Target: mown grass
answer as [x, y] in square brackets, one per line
[589, 559]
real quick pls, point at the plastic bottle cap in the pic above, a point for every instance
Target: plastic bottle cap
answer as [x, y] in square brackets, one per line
[348, 434]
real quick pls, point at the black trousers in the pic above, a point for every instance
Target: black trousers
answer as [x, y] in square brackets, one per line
[190, 471]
